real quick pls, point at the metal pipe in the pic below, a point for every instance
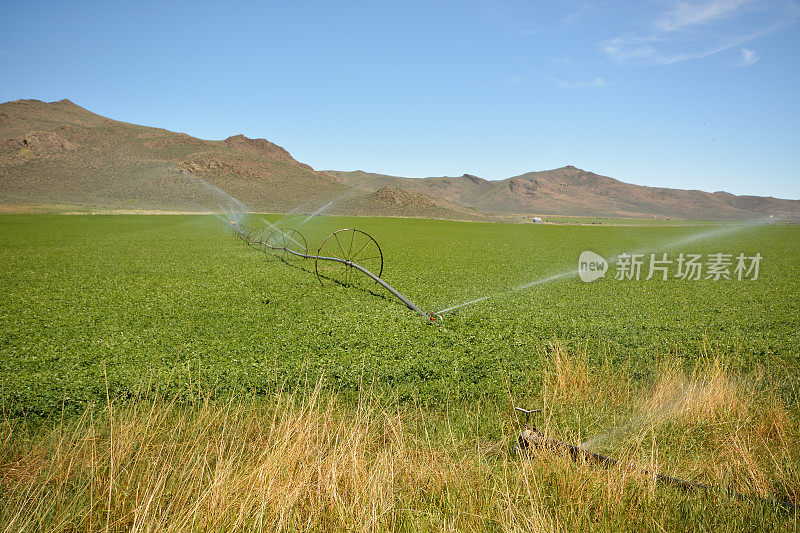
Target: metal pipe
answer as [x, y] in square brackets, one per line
[533, 438]
[385, 285]
[576, 453]
[395, 292]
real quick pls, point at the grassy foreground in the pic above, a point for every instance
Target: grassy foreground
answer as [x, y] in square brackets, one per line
[157, 375]
[305, 461]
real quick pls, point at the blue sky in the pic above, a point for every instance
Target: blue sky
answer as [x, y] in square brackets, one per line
[664, 93]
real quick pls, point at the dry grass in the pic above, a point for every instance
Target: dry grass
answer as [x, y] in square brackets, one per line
[311, 463]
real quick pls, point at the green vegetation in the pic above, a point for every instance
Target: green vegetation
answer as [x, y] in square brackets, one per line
[158, 299]
[632, 221]
[694, 378]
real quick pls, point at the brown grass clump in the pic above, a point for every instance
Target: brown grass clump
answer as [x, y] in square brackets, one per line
[292, 465]
[311, 463]
[711, 393]
[568, 377]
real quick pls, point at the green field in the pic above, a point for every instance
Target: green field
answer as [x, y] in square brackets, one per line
[147, 307]
[173, 301]
[591, 221]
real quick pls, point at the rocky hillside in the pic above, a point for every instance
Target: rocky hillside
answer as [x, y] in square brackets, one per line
[60, 154]
[576, 192]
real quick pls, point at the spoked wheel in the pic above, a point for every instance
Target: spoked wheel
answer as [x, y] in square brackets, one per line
[261, 236]
[238, 232]
[353, 246]
[247, 233]
[289, 242]
[260, 239]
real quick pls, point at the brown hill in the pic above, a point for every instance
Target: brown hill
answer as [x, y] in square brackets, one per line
[396, 202]
[576, 192]
[61, 154]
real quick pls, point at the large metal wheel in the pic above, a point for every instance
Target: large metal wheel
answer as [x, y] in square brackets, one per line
[289, 242]
[260, 240]
[246, 233]
[343, 247]
[261, 236]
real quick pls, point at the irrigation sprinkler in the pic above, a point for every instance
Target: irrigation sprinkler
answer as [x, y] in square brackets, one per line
[289, 242]
[338, 253]
[530, 439]
[344, 257]
[242, 232]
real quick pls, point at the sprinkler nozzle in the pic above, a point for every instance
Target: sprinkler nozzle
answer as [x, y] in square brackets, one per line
[435, 319]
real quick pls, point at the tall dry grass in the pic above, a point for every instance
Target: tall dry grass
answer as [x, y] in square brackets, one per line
[295, 462]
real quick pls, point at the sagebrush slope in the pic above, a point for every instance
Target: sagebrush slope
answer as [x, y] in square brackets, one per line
[61, 154]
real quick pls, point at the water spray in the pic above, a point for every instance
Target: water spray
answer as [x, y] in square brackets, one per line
[570, 272]
[530, 439]
[343, 257]
[327, 205]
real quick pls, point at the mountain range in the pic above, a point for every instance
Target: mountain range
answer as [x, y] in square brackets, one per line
[60, 155]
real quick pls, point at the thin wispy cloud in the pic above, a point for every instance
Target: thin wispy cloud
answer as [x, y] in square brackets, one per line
[563, 60]
[594, 82]
[625, 49]
[694, 30]
[584, 10]
[748, 57]
[686, 14]
[663, 52]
